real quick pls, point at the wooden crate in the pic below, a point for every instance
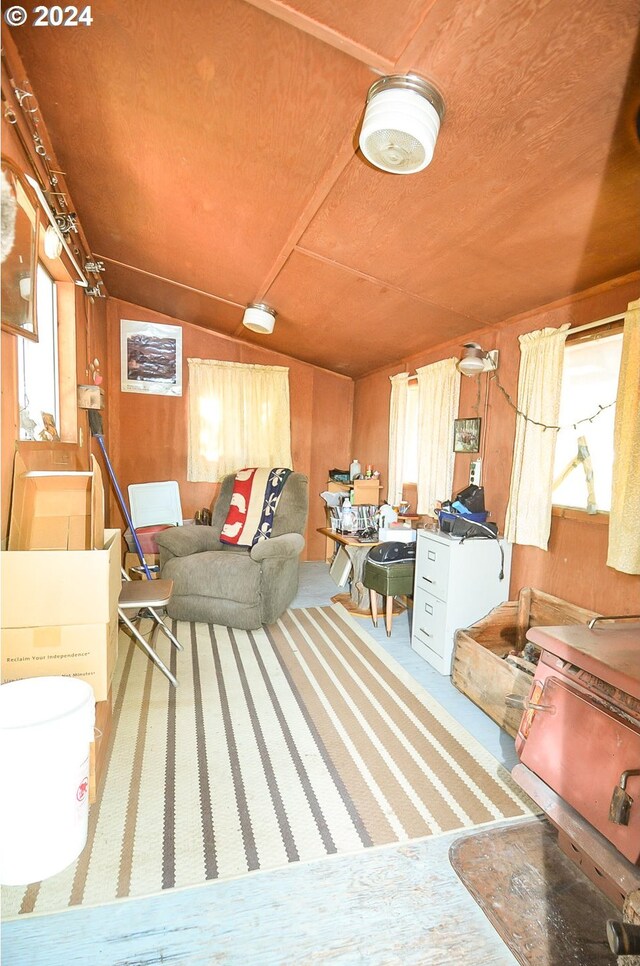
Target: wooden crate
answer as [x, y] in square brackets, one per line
[480, 668]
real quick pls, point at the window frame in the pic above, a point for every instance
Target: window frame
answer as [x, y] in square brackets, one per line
[560, 511]
[61, 272]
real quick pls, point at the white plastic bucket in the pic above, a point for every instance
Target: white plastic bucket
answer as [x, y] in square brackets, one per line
[46, 727]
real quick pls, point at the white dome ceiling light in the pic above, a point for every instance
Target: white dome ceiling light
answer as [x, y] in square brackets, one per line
[259, 317]
[401, 123]
[475, 360]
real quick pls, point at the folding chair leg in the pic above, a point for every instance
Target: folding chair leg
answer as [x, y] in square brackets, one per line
[146, 647]
[163, 627]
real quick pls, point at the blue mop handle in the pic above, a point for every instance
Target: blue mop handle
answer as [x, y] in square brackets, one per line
[123, 505]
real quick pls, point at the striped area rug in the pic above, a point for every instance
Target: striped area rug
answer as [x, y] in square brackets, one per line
[287, 744]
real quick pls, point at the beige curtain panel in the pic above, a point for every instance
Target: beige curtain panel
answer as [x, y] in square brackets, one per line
[239, 416]
[397, 435]
[624, 528]
[438, 402]
[528, 518]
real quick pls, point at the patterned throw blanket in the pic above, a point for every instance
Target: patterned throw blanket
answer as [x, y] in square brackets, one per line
[255, 496]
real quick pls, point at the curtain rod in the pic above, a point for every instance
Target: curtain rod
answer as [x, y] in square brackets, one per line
[593, 325]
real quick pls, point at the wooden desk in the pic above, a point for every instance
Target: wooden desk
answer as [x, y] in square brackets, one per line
[357, 602]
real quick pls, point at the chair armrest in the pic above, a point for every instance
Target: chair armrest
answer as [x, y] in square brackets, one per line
[286, 545]
[183, 541]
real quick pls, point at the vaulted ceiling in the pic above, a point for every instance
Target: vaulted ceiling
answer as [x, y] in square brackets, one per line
[210, 149]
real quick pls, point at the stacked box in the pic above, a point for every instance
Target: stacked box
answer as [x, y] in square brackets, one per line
[61, 575]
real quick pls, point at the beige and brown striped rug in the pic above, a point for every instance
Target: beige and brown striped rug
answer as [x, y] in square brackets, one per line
[287, 744]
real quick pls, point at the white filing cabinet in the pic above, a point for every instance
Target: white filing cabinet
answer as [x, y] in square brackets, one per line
[456, 583]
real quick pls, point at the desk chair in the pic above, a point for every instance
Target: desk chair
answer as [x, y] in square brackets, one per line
[137, 595]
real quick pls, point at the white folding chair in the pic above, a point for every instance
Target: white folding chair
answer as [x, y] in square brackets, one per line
[146, 595]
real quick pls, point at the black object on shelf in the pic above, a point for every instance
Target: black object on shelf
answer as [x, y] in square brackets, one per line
[472, 497]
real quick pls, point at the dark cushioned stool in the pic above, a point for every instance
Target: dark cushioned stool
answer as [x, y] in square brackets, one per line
[391, 580]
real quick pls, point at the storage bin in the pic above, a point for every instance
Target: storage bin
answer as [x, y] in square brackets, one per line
[46, 727]
[447, 520]
[480, 668]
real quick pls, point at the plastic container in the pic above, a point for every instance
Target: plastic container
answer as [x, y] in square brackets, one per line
[447, 520]
[355, 469]
[46, 727]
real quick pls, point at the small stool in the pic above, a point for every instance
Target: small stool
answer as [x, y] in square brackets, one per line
[390, 580]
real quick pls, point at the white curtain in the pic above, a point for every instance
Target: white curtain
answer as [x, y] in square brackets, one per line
[397, 436]
[438, 401]
[624, 529]
[528, 517]
[238, 416]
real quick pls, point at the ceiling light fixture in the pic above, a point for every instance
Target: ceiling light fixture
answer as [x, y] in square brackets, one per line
[475, 360]
[259, 317]
[401, 123]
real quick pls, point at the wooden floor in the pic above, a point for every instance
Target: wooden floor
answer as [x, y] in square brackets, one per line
[394, 905]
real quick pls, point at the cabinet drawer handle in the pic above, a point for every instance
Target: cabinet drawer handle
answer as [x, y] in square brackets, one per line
[429, 580]
[426, 633]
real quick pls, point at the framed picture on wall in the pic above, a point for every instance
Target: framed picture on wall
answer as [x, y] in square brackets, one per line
[466, 435]
[150, 358]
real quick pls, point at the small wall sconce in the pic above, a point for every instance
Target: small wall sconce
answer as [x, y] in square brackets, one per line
[475, 360]
[52, 243]
[259, 317]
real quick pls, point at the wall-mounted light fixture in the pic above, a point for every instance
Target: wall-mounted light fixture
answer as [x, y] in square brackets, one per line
[259, 317]
[475, 360]
[401, 123]
[52, 243]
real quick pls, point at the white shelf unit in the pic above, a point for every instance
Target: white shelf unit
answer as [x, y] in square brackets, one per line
[456, 583]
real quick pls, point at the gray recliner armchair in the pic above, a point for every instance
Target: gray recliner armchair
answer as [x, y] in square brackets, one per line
[236, 586]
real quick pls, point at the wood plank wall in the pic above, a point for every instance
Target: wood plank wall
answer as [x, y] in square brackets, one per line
[574, 567]
[148, 433]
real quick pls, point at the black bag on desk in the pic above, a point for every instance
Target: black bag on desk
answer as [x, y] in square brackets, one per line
[393, 551]
[462, 527]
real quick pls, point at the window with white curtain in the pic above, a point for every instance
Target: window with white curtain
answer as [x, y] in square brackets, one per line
[239, 416]
[584, 450]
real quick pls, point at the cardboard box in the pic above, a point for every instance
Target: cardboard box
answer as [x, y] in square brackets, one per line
[60, 613]
[99, 747]
[131, 561]
[55, 505]
[42, 588]
[366, 492]
[85, 651]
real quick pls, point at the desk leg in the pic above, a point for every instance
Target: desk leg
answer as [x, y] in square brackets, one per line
[359, 593]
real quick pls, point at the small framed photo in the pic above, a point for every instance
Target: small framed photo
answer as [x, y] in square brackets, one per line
[466, 435]
[150, 358]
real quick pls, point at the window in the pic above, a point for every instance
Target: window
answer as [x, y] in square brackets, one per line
[238, 417]
[584, 452]
[38, 378]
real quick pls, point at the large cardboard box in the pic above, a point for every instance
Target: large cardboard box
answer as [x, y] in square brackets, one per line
[85, 651]
[60, 613]
[55, 504]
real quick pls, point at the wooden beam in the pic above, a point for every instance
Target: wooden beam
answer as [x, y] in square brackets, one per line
[324, 33]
